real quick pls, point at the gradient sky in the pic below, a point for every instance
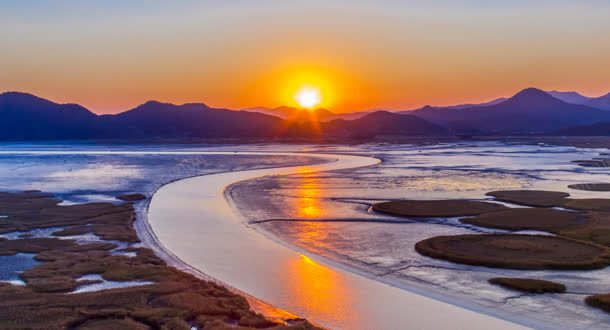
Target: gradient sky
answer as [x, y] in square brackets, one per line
[113, 55]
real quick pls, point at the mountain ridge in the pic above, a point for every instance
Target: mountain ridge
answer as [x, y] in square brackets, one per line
[25, 116]
[529, 111]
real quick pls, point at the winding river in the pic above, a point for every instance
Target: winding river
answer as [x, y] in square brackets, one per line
[195, 222]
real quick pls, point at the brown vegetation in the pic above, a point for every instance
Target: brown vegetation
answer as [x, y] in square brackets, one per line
[588, 204]
[437, 208]
[131, 197]
[516, 251]
[601, 301]
[540, 198]
[176, 300]
[528, 285]
[595, 162]
[542, 219]
[535, 198]
[32, 210]
[585, 226]
[591, 186]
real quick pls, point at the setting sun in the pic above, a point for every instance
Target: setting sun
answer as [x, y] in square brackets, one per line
[308, 97]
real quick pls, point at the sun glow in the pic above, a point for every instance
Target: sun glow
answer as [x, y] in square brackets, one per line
[308, 97]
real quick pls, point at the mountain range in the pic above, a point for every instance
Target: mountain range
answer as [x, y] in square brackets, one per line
[531, 111]
[296, 114]
[602, 102]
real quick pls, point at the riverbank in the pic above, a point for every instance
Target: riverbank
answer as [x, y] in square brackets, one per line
[206, 233]
[90, 272]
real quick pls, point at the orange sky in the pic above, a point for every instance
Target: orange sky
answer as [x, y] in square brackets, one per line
[362, 54]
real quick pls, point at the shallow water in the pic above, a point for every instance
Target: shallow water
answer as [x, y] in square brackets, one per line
[326, 205]
[82, 173]
[12, 266]
[192, 220]
[104, 284]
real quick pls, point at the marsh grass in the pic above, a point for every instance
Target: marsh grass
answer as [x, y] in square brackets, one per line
[436, 208]
[529, 285]
[176, 300]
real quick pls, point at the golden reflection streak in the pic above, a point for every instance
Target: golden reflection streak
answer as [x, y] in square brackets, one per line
[314, 285]
[307, 204]
[317, 287]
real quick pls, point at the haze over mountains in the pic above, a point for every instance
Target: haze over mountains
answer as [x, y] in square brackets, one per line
[320, 114]
[529, 112]
[602, 102]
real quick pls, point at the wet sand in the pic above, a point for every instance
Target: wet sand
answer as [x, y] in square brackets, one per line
[193, 219]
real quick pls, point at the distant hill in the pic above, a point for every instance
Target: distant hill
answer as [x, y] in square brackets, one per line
[296, 114]
[25, 116]
[156, 119]
[530, 111]
[459, 106]
[599, 129]
[569, 97]
[602, 102]
[384, 123]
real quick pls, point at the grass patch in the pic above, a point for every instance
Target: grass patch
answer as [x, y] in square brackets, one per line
[176, 300]
[516, 251]
[528, 285]
[131, 197]
[534, 198]
[601, 301]
[437, 208]
[528, 219]
[591, 186]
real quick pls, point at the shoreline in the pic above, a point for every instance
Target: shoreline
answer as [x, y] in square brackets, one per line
[422, 290]
[440, 298]
[150, 240]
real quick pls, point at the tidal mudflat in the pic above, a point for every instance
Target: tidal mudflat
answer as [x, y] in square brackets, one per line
[203, 231]
[93, 285]
[331, 214]
[67, 264]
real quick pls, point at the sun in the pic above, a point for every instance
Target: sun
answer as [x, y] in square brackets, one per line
[308, 97]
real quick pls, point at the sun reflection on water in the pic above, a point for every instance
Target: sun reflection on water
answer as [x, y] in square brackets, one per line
[318, 287]
[307, 204]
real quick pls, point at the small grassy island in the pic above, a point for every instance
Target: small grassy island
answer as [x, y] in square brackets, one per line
[516, 251]
[528, 285]
[437, 208]
[580, 237]
[601, 301]
[131, 197]
[591, 186]
[533, 198]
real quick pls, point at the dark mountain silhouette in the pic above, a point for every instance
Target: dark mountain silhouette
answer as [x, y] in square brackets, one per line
[297, 114]
[570, 97]
[156, 119]
[301, 115]
[602, 102]
[382, 123]
[599, 129]
[528, 112]
[25, 116]
[459, 106]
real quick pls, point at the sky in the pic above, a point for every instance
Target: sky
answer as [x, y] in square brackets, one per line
[110, 56]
